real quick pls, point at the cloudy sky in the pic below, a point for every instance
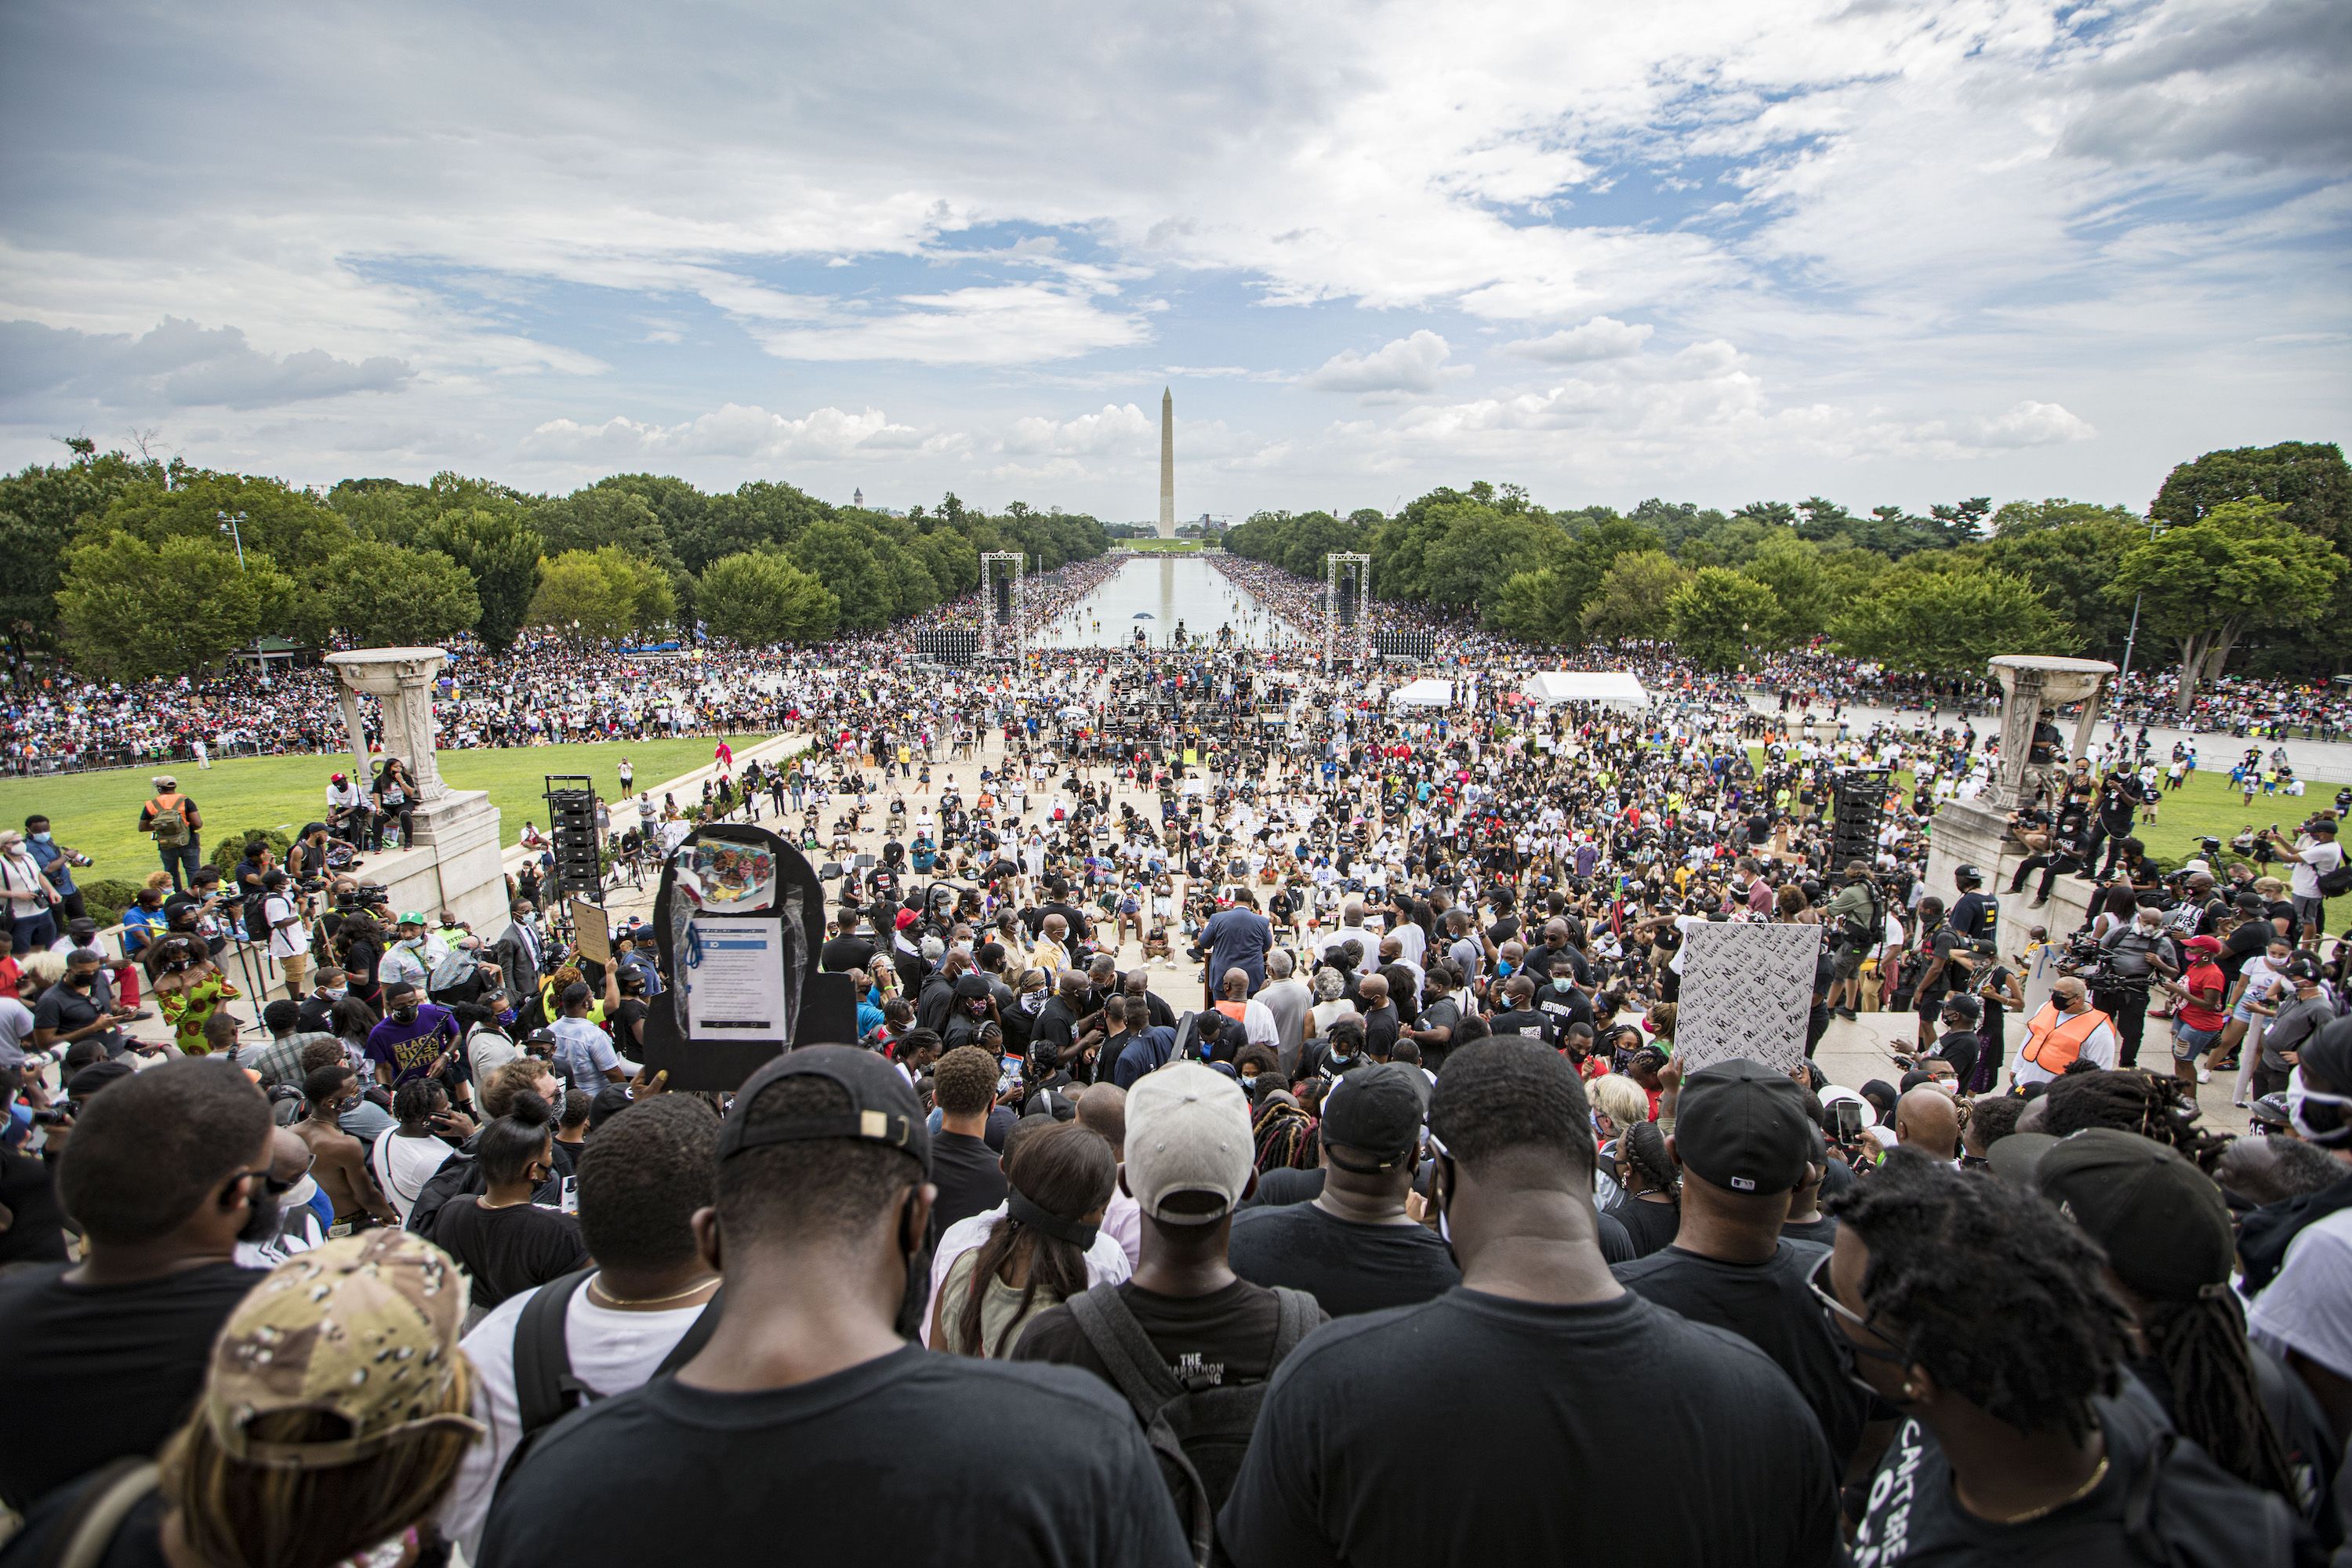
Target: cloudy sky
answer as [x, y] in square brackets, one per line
[1877, 250]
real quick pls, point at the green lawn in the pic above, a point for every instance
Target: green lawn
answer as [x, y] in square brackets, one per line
[1157, 546]
[98, 813]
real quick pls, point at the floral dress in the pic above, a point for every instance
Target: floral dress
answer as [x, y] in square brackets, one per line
[189, 1008]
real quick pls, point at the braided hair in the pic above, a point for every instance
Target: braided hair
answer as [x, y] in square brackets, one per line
[1643, 1148]
[2002, 1298]
[2131, 1099]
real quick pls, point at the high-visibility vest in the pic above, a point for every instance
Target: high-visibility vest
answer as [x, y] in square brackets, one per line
[2055, 1039]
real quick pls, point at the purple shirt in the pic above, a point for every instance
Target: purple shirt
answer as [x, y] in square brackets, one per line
[409, 1048]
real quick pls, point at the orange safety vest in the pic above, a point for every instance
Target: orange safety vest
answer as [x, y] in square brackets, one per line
[2055, 1039]
[1236, 1011]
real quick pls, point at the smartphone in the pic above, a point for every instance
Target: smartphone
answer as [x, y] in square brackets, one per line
[1008, 1073]
[571, 1195]
[1846, 1119]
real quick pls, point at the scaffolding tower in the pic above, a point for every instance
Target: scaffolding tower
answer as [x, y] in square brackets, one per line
[1347, 595]
[1003, 580]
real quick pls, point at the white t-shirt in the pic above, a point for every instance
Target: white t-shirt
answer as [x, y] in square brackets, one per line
[1107, 1260]
[2319, 857]
[405, 1164]
[611, 1351]
[287, 939]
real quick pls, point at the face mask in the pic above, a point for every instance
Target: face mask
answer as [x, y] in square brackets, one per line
[40, 838]
[404, 1015]
[81, 981]
[917, 1298]
[2320, 1117]
[1033, 1001]
[261, 1224]
[336, 993]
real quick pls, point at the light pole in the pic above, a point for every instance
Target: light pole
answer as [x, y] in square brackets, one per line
[2131, 639]
[228, 525]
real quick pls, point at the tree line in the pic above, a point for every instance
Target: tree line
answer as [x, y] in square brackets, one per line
[2242, 552]
[123, 563]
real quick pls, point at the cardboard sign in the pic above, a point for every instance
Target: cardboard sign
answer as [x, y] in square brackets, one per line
[1746, 991]
[592, 929]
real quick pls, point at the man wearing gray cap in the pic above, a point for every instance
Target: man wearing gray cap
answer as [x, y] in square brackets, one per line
[1186, 1322]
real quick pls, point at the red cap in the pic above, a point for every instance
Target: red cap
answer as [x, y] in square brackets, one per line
[906, 919]
[2203, 944]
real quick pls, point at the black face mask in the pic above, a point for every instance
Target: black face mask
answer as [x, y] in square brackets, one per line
[404, 1015]
[80, 982]
[262, 1223]
[917, 1300]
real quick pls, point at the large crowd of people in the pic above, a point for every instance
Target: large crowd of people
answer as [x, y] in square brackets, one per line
[1263, 1130]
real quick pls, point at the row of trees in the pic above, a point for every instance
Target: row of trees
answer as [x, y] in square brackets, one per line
[2243, 550]
[124, 563]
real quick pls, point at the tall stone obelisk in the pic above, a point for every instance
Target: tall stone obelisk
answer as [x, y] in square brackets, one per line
[1167, 463]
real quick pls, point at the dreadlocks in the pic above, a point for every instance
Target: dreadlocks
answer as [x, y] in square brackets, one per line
[2202, 1347]
[2132, 1101]
[1990, 1289]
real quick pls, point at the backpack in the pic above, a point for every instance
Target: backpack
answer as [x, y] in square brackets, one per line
[456, 978]
[1198, 1432]
[2337, 881]
[545, 1390]
[256, 916]
[169, 822]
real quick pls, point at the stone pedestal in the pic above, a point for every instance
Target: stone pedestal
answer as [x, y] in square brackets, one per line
[452, 862]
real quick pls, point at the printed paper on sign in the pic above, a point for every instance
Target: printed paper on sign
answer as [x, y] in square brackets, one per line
[733, 980]
[1746, 991]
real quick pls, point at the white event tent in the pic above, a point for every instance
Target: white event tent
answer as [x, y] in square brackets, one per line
[1423, 693]
[1551, 688]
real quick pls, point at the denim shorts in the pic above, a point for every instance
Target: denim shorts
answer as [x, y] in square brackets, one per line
[2189, 1044]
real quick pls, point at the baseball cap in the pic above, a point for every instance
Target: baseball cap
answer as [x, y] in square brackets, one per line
[1742, 1125]
[363, 1328]
[97, 1076]
[1188, 1131]
[412, 919]
[2203, 944]
[1962, 1004]
[2013, 1158]
[2324, 825]
[882, 1106]
[905, 918]
[1378, 1109]
[2162, 1222]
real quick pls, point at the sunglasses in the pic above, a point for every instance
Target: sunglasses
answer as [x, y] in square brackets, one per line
[1844, 1322]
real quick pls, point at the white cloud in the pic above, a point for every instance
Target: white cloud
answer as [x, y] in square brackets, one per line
[1013, 324]
[2031, 423]
[1116, 427]
[733, 431]
[1415, 363]
[1604, 337]
[177, 365]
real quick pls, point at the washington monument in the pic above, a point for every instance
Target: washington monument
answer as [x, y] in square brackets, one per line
[1167, 463]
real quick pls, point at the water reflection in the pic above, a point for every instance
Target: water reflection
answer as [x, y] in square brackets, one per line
[1168, 591]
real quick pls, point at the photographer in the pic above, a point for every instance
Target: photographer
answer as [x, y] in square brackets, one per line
[2132, 957]
[2317, 858]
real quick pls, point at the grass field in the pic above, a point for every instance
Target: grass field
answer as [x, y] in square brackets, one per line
[1157, 546]
[98, 813]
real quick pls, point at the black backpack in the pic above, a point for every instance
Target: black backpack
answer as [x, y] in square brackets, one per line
[1199, 1433]
[545, 1390]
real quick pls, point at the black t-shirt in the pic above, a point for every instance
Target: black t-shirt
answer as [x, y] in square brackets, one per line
[1225, 1337]
[2204, 1518]
[1962, 1047]
[1530, 1394]
[841, 954]
[2245, 942]
[1769, 1305]
[1822, 1230]
[876, 1464]
[1283, 1186]
[1531, 1023]
[508, 1250]
[113, 1369]
[1348, 1267]
[1649, 1226]
[969, 1176]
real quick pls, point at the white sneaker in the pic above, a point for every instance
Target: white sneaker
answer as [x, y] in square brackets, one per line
[2204, 1074]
